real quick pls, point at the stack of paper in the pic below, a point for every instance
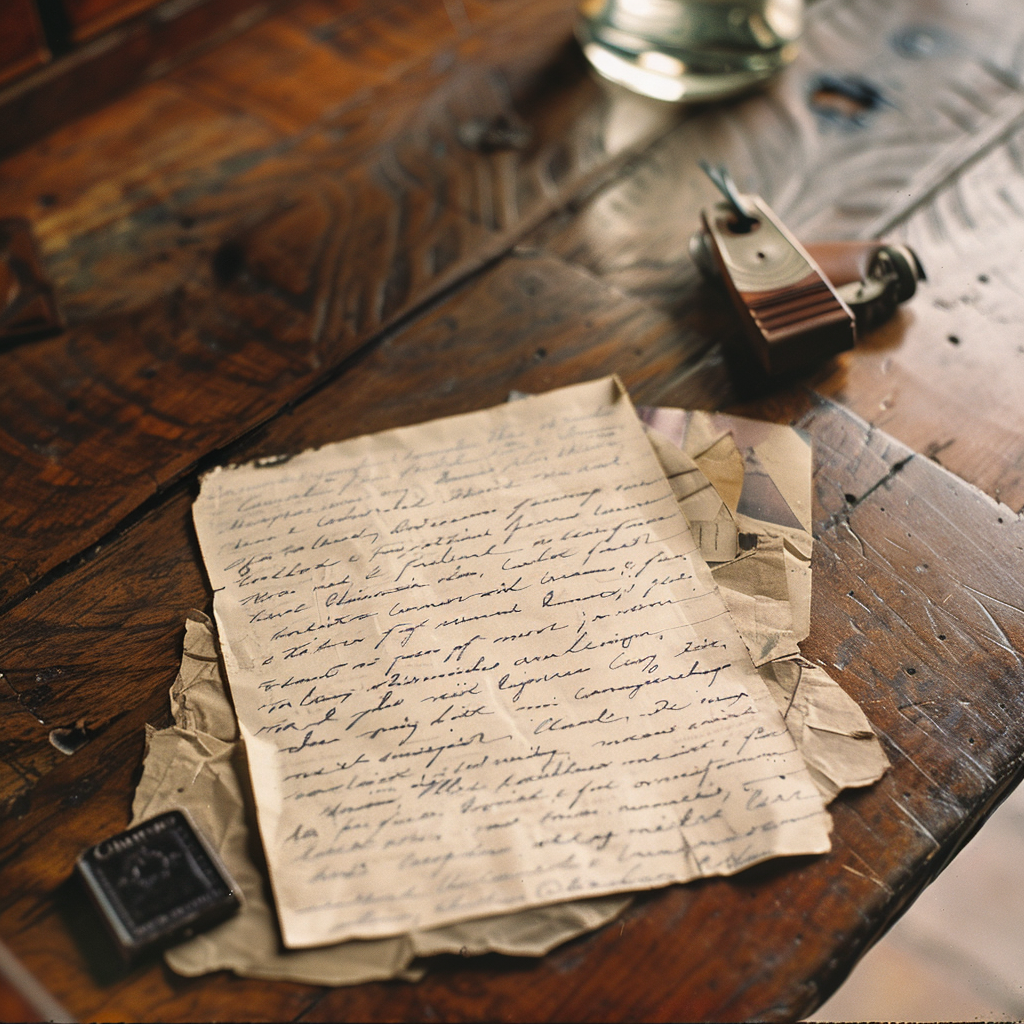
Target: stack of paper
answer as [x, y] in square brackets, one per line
[485, 681]
[745, 488]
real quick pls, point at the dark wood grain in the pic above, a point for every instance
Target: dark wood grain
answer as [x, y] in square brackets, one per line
[22, 46]
[227, 261]
[130, 53]
[294, 239]
[214, 251]
[949, 115]
[952, 357]
[89, 18]
[926, 643]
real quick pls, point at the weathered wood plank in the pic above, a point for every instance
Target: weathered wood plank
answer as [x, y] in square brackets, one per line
[89, 18]
[918, 596]
[947, 87]
[22, 46]
[937, 162]
[103, 641]
[132, 53]
[236, 250]
[196, 248]
[530, 322]
[231, 275]
[945, 377]
[112, 627]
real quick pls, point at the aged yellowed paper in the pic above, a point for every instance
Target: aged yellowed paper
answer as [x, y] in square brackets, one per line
[195, 766]
[766, 584]
[478, 665]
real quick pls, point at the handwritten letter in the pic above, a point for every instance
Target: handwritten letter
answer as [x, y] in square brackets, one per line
[478, 665]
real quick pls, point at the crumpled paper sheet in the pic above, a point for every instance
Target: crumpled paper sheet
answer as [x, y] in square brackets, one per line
[830, 729]
[762, 566]
[760, 477]
[712, 522]
[755, 590]
[750, 571]
[769, 467]
[198, 764]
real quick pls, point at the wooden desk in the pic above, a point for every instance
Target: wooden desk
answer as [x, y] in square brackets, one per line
[292, 239]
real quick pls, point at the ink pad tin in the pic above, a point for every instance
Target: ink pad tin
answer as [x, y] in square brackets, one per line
[156, 883]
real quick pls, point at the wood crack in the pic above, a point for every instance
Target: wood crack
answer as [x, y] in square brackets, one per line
[843, 515]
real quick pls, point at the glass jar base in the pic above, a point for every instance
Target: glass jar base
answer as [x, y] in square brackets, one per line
[661, 76]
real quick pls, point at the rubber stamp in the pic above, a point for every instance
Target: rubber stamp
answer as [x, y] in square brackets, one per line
[156, 883]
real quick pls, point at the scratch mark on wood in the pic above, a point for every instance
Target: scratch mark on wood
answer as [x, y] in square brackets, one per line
[871, 878]
[870, 874]
[920, 825]
[1006, 643]
[963, 754]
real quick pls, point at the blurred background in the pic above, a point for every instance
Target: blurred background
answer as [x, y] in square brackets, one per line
[958, 953]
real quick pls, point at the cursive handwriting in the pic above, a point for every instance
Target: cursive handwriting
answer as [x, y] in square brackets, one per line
[479, 665]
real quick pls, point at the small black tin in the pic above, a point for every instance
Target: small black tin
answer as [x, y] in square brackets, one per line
[156, 883]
